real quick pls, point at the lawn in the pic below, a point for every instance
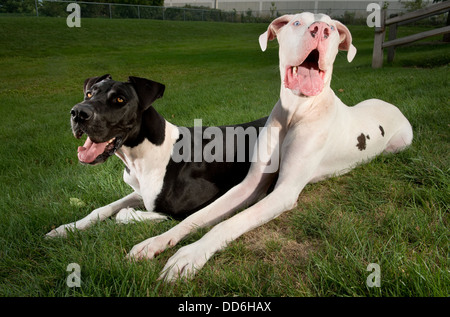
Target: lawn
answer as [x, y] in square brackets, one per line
[392, 211]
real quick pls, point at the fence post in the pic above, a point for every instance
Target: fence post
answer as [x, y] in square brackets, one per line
[139, 13]
[392, 36]
[377, 56]
[110, 12]
[36, 4]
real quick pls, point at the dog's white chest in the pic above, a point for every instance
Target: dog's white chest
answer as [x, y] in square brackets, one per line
[129, 176]
[146, 176]
[146, 167]
[148, 185]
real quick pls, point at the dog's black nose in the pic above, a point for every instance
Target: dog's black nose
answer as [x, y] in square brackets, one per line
[81, 113]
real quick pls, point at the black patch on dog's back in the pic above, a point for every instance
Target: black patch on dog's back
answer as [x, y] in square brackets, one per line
[361, 142]
[190, 186]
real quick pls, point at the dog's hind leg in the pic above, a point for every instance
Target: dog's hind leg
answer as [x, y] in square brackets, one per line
[401, 139]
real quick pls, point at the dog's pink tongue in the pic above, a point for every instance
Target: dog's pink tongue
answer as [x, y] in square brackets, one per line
[308, 80]
[311, 84]
[90, 150]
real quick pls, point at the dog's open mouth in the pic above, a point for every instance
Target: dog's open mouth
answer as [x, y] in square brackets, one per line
[93, 153]
[307, 78]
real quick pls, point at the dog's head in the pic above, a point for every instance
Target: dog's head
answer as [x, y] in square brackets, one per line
[308, 44]
[110, 114]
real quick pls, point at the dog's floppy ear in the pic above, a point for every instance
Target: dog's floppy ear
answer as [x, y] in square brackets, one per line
[147, 90]
[273, 29]
[88, 83]
[345, 41]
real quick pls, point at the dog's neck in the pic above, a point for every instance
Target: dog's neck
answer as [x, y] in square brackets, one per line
[151, 127]
[301, 108]
[151, 130]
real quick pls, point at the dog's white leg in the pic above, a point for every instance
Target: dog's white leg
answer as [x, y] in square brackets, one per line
[238, 197]
[98, 214]
[246, 193]
[401, 139]
[189, 259]
[129, 215]
[300, 161]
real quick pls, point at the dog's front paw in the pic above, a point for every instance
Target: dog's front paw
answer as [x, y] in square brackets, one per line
[150, 248]
[185, 263]
[61, 231]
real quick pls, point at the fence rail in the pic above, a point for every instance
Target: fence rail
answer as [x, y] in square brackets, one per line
[379, 40]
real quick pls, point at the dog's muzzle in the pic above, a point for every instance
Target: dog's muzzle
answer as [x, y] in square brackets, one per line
[92, 152]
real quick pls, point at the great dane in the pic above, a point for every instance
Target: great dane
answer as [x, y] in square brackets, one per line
[118, 118]
[319, 137]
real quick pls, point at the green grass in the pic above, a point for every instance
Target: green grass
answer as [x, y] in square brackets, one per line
[392, 211]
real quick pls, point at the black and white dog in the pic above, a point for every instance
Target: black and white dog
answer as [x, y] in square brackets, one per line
[167, 175]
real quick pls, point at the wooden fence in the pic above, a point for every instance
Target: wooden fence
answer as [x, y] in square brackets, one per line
[379, 41]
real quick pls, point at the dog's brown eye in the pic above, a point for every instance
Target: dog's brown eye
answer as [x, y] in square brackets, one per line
[89, 95]
[119, 100]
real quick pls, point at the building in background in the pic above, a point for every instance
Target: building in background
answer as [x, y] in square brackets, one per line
[278, 7]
